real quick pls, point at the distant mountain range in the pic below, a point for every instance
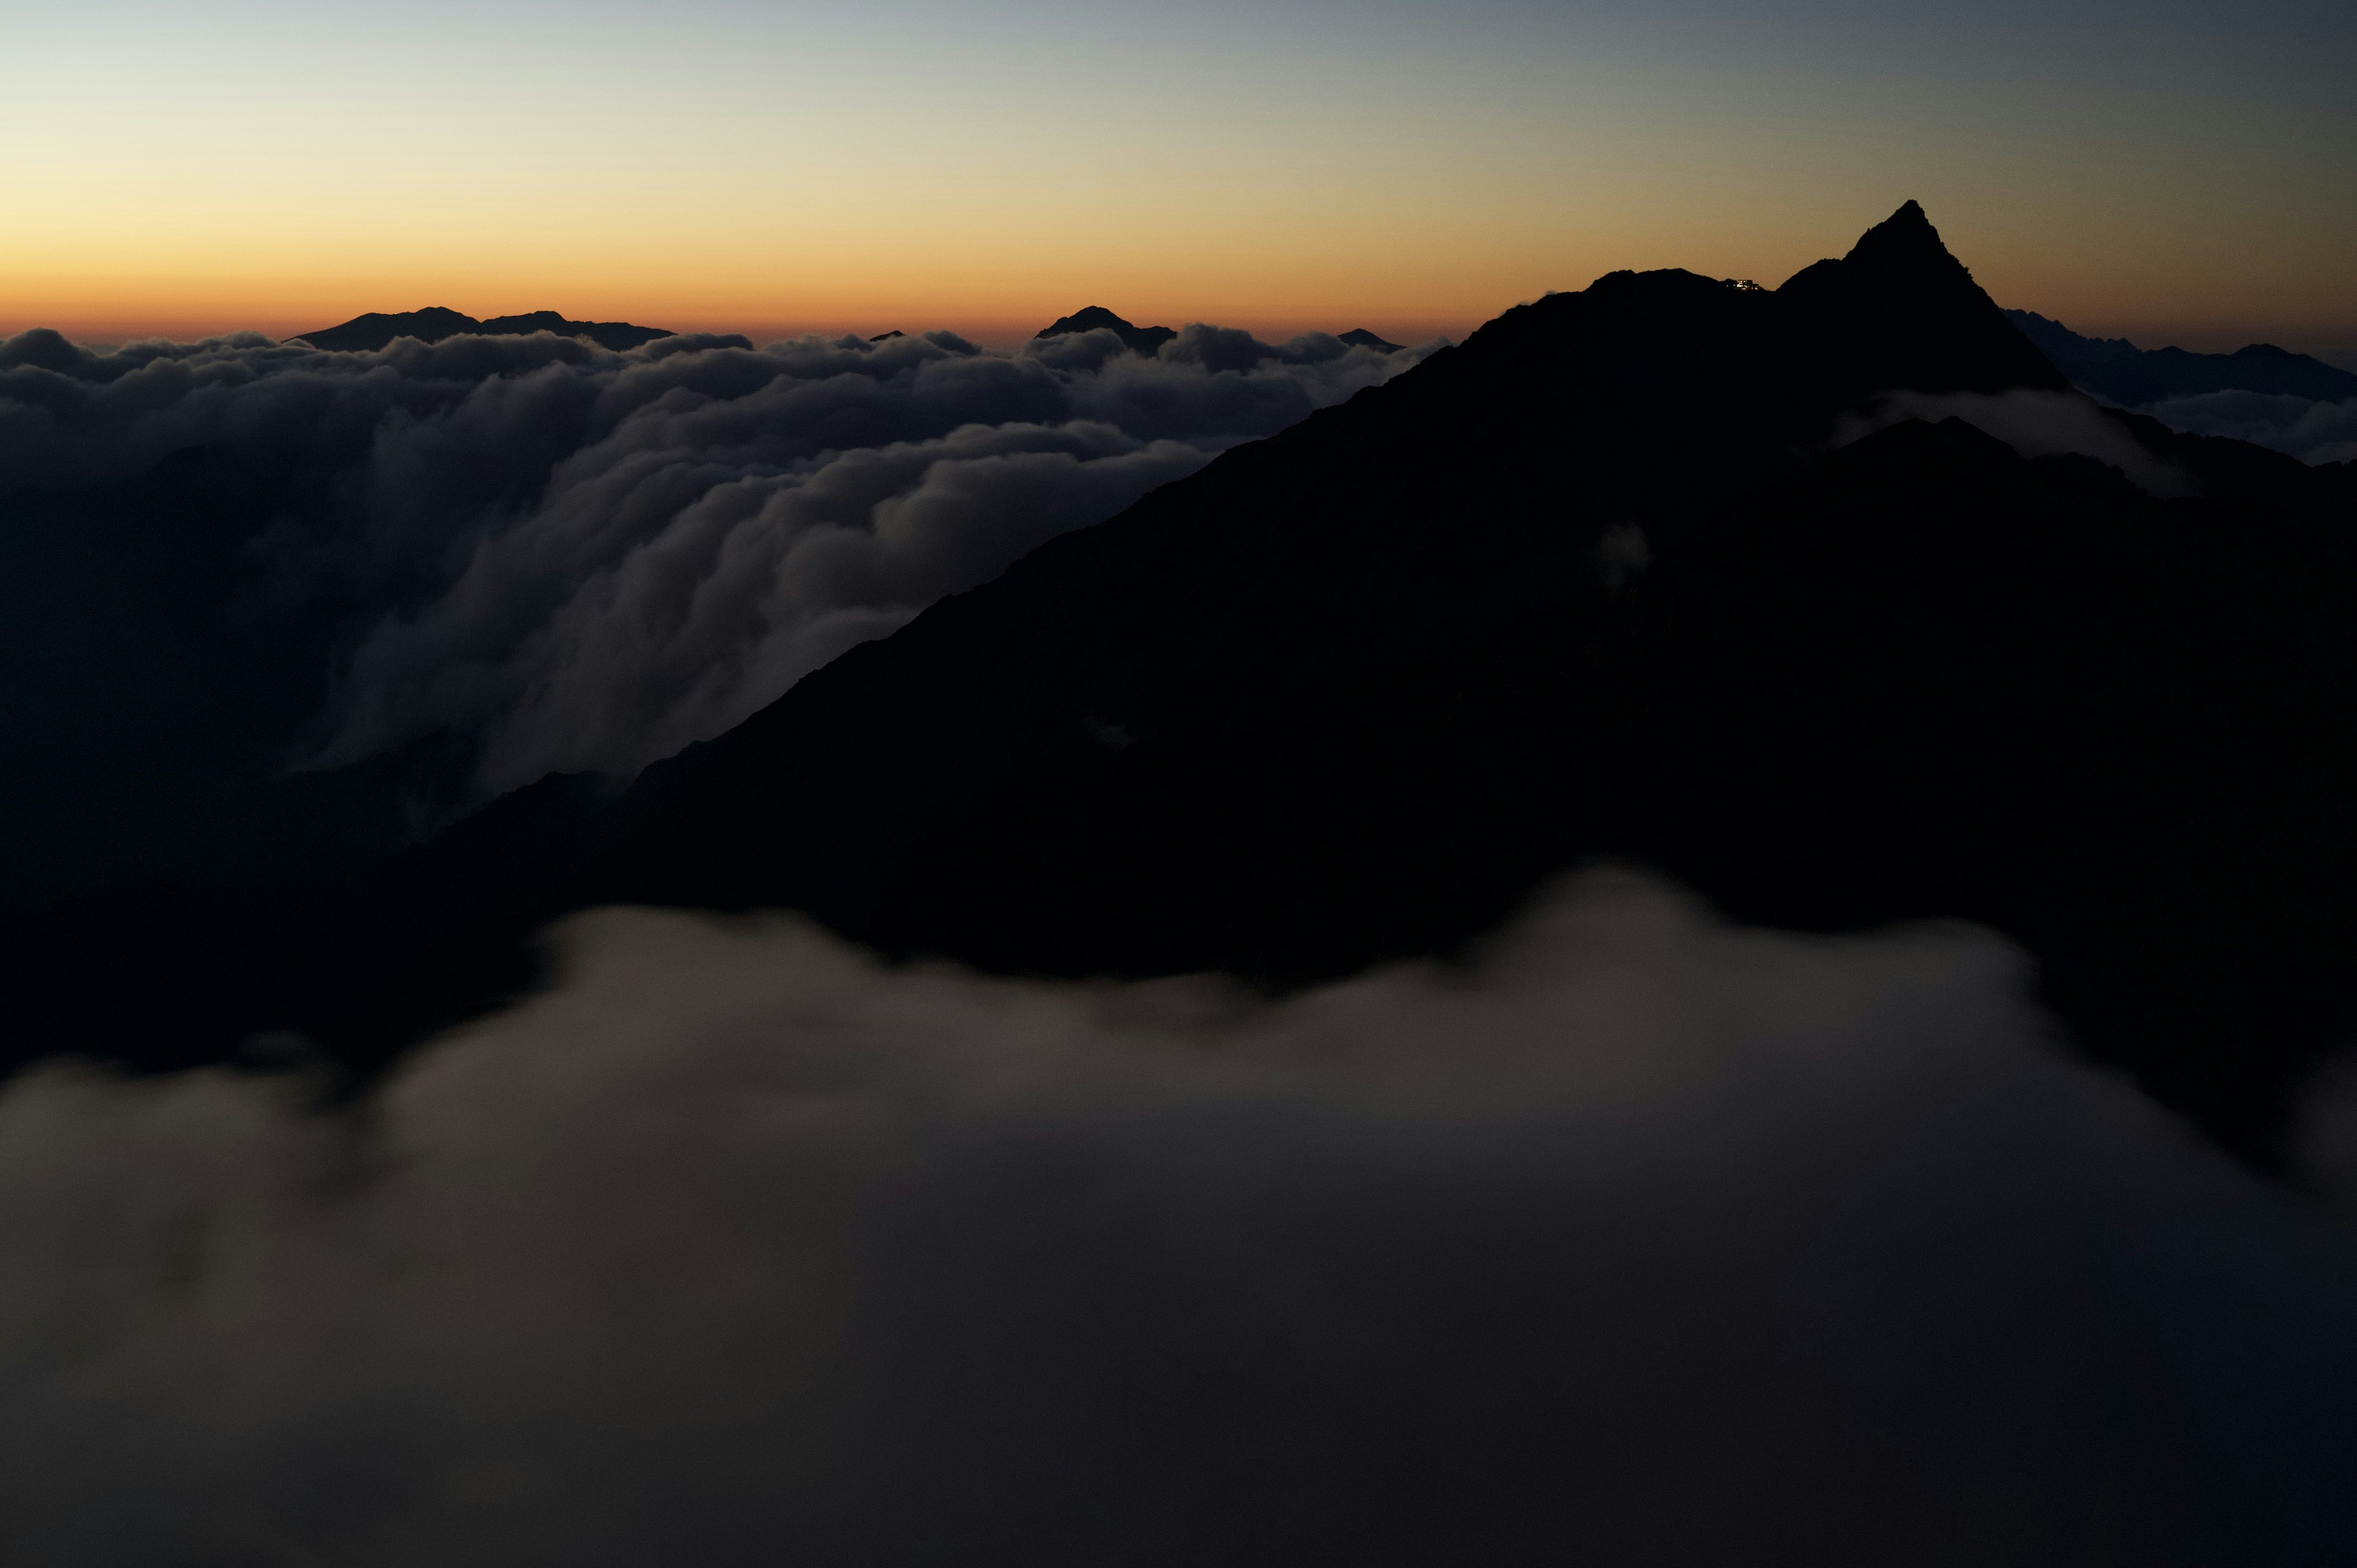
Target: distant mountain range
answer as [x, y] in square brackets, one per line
[367, 333]
[1149, 340]
[1603, 580]
[2119, 372]
[1091, 317]
[2112, 368]
[375, 330]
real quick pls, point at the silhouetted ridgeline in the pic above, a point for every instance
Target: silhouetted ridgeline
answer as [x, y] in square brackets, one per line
[431, 325]
[2117, 369]
[1717, 578]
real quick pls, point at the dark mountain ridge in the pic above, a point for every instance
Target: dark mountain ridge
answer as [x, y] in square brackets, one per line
[2117, 370]
[368, 333]
[1427, 507]
[1594, 581]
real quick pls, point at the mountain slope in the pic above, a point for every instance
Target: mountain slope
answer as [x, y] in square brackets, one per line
[1929, 678]
[1330, 616]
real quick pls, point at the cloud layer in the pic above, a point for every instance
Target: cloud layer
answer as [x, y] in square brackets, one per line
[2309, 430]
[590, 559]
[1643, 1239]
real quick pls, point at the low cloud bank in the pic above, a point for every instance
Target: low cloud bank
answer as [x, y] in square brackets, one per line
[1643, 1239]
[589, 559]
[2305, 428]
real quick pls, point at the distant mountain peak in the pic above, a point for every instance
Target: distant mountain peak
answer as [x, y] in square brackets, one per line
[1360, 337]
[1087, 319]
[1095, 317]
[375, 330]
[1913, 309]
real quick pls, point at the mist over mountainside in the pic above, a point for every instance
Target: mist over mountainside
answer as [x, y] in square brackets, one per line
[1352, 691]
[1833, 599]
[900, 1193]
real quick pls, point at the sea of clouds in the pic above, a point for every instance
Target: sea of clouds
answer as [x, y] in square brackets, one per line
[1637, 1240]
[582, 559]
[586, 558]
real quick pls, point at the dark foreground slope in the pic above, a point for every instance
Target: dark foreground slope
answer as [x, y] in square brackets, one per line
[1593, 584]
[1304, 676]
[1927, 677]
[1924, 677]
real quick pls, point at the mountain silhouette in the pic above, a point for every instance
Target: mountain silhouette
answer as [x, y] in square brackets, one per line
[1360, 337]
[2119, 372]
[431, 325]
[1599, 581]
[1089, 318]
[1904, 314]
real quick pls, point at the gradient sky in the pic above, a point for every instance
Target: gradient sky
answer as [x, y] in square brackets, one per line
[2173, 171]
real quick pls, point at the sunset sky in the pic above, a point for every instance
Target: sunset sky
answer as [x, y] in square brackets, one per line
[2172, 171]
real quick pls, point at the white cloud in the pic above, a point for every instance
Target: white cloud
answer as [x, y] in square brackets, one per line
[592, 559]
[2305, 428]
[1641, 1240]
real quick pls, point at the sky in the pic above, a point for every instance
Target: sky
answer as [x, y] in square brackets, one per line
[2174, 172]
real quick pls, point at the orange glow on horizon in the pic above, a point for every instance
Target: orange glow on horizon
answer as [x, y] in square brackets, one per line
[1291, 165]
[96, 307]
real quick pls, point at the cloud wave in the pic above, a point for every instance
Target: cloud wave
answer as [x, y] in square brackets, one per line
[589, 559]
[1641, 1239]
[2305, 428]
